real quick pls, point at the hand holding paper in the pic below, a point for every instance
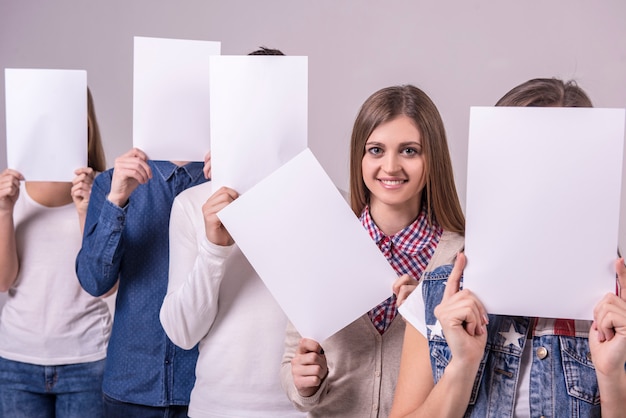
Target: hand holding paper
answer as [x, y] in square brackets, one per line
[130, 170]
[215, 230]
[402, 287]
[309, 367]
[81, 189]
[9, 189]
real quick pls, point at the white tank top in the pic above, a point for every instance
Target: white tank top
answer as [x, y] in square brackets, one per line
[48, 319]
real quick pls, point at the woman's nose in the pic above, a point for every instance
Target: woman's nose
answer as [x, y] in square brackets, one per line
[391, 163]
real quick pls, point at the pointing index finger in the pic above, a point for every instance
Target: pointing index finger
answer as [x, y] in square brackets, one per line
[454, 281]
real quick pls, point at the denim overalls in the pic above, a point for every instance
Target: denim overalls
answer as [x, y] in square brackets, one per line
[562, 378]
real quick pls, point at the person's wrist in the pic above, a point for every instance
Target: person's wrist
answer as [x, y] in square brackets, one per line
[117, 199]
[219, 239]
[308, 392]
[6, 211]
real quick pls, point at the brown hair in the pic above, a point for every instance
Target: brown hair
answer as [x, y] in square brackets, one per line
[546, 92]
[441, 199]
[95, 151]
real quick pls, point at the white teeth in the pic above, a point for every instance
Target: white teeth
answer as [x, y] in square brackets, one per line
[392, 182]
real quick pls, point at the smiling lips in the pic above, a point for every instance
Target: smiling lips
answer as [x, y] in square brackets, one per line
[391, 183]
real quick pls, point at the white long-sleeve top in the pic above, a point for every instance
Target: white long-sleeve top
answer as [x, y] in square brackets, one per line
[216, 299]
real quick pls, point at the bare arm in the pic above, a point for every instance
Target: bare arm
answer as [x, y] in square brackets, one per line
[415, 380]
[416, 394]
[463, 320]
[9, 193]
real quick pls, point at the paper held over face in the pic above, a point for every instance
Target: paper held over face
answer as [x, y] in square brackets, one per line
[309, 248]
[258, 116]
[171, 103]
[543, 197]
[46, 122]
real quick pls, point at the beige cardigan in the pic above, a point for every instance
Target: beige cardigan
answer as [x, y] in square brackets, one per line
[362, 364]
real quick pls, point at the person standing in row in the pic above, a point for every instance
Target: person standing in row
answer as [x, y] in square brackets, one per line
[457, 361]
[402, 188]
[53, 335]
[126, 240]
[216, 299]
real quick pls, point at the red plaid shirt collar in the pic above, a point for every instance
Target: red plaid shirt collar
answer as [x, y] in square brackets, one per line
[409, 252]
[412, 240]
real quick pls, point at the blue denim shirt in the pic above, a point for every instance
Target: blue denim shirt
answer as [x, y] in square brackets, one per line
[143, 366]
[562, 378]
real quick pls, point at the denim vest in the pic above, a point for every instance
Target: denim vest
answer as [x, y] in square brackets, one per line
[562, 378]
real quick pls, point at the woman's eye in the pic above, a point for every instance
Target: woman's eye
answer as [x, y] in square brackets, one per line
[411, 151]
[375, 150]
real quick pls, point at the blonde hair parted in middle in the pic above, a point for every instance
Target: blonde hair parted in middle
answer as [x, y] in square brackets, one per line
[440, 197]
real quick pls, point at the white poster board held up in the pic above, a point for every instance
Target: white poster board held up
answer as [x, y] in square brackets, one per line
[46, 122]
[309, 248]
[171, 103]
[258, 116]
[543, 197]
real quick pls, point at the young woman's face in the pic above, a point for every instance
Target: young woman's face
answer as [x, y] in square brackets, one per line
[393, 165]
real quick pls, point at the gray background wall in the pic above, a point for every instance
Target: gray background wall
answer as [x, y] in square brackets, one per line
[462, 53]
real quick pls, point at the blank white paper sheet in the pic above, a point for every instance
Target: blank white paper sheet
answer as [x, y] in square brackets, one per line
[543, 199]
[258, 116]
[171, 101]
[46, 122]
[309, 248]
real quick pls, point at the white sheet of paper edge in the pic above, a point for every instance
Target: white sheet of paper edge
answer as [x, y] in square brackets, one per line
[309, 248]
[258, 116]
[46, 122]
[543, 198]
[171, 103]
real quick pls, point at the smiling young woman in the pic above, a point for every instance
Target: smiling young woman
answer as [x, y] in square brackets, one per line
[403, 192]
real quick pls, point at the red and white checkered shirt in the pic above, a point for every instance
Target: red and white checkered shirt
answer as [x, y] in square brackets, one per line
[562, 327]
[408, 252]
